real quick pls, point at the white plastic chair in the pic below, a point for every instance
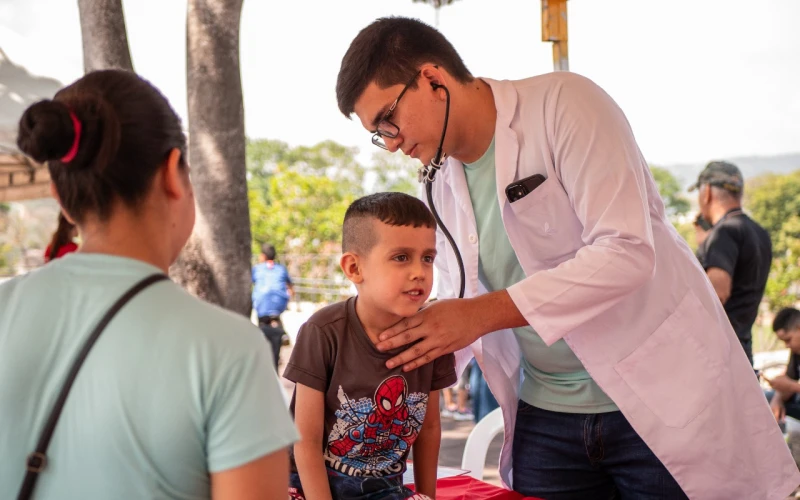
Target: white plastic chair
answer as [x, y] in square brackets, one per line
[478, 442]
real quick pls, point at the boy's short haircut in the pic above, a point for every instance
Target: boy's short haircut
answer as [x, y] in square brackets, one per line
[787, 319]
[394, 209]
[268, 251]
[389, 51]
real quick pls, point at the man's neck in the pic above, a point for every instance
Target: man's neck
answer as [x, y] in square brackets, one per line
[473, 107]
[719, 211]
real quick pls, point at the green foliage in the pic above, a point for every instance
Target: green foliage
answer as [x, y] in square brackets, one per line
[298, 197]
[299, 212]
[774, 202]
[671, 192]
[687, 232]
[394, 172]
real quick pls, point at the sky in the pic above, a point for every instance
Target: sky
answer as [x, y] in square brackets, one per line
[698, 79]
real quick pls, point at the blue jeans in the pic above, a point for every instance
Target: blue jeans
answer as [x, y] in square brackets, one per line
[576, 456]
[357, 488]
[483, 402]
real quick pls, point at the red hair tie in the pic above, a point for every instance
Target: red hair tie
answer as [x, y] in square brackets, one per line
[74, 149]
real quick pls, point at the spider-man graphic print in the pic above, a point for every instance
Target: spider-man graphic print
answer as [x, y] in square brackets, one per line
[372, 436]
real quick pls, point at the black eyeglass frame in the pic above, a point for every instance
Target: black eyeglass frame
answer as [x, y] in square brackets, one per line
[377, 137]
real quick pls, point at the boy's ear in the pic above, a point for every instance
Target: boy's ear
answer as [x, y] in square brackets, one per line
[351, 266]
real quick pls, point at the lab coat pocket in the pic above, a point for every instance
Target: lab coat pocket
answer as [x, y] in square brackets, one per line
[535, 198]
[541, 228]
[677, 371]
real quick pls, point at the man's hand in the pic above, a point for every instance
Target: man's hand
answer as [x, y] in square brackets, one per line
[446, 326]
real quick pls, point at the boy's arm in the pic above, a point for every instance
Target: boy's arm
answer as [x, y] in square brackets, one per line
[309, 414]
[426, 448]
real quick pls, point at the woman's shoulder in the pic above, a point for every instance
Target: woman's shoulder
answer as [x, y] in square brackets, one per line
[198, 317]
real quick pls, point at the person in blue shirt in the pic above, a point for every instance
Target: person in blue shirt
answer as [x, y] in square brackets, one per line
[272, 289]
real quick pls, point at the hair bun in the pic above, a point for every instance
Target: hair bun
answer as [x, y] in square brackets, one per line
[46, 131]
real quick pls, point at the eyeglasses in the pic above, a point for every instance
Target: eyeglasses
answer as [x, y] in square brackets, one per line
[386, 128]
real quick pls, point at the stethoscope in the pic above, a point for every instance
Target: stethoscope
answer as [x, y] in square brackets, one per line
[427, 174]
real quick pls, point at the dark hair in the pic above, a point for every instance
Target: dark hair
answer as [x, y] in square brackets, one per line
[787, 319]
[268, 251]
[127, 131]
[394, 209]
[61, 236]
[389, 51]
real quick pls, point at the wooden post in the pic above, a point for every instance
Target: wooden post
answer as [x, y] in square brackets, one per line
[554, 29]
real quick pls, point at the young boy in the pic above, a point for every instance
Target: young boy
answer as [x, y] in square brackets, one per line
[359, 420]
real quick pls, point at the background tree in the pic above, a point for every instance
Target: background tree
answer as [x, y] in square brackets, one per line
[774, 202]
[671, 192]
[394, 172]
[5, 248]
[298, 197]
[215, 264]
[105, 39]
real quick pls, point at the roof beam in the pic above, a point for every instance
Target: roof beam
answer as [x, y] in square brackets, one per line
[22, 192]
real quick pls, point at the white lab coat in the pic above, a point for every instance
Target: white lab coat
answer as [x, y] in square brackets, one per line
[608, 273]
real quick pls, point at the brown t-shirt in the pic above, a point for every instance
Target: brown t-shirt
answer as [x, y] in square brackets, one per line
[372, 414]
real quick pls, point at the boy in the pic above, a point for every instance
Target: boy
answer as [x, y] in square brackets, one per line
[359, 420]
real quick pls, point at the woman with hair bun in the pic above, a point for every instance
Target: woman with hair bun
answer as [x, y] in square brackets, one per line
[177, 398]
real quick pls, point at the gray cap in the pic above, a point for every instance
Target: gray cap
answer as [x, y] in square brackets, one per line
[721, 174]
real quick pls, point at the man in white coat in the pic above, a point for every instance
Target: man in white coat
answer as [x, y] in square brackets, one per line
[632, 380]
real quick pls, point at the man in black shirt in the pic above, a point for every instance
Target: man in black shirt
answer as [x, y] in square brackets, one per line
[785, 396]
[737, 252]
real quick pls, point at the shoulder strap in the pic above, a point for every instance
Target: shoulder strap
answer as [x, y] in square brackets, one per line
[37, 461]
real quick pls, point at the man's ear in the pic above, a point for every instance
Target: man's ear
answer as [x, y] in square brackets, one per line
[351, 266]
[707, 194]
[433, 75]
[172, 176]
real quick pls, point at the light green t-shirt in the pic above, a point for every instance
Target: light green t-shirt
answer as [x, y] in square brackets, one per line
[554, 378]
[173, 389]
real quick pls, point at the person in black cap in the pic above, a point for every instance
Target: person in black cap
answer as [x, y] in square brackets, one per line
[737, 252]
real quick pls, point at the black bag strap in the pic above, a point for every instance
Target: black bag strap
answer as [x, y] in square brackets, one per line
[37, 461]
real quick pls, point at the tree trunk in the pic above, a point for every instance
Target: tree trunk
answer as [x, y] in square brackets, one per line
[216, 263]
[105, 39]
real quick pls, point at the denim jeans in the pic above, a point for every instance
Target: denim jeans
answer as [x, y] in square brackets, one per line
[576, 456]
[483, 402]
[357, 488]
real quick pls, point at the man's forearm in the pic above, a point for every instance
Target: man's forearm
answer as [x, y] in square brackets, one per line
[786, 386]
[498, 311]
